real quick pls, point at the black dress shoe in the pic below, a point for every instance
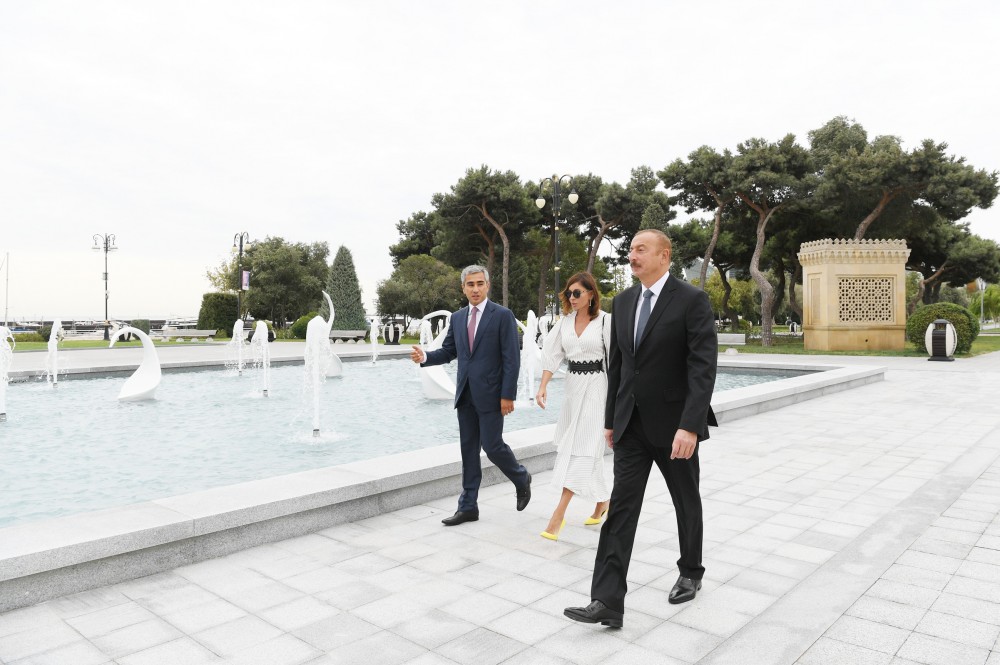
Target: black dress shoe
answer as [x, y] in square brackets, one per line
[524, 495]
[461, 516]
[684, 590]
[596, 612]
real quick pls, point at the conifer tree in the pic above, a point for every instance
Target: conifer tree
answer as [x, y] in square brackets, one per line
[345, 292]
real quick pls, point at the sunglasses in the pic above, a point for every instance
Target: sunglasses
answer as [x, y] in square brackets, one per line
[575, 293]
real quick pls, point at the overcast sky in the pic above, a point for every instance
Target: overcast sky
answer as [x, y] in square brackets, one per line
[176, 125]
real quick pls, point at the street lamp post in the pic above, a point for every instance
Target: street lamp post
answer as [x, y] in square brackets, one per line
[238, 240]
[557, 185]
[981, 285]
[105, 241]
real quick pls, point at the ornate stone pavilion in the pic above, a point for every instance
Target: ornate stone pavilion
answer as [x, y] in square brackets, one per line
[854, 294]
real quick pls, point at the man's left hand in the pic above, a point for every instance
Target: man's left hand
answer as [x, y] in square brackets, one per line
[506, 406]
[684, 444]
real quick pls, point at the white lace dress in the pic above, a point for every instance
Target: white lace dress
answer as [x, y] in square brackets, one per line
[579, 437]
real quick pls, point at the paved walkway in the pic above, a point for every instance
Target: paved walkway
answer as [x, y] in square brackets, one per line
[861, 527]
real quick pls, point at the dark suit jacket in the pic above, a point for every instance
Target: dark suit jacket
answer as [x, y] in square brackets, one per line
[490, 369]
[671, 375]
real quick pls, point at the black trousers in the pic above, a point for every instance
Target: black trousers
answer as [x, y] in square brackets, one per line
[634, 459]
[483, 430]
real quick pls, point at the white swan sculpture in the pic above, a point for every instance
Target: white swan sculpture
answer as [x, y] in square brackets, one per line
[6, 355]
[52, 359]
[146, 378]
[336, 365]
[434, 380]
[531, 361]
[317, 359]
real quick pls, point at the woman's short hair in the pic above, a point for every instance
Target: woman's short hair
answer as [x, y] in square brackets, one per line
[589, 283]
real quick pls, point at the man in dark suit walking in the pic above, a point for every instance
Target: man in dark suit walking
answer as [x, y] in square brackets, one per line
[661, 374]
[483, 336]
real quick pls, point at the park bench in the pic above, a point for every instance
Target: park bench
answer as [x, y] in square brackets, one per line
[181, 333]
[348, 335]
[732, 339]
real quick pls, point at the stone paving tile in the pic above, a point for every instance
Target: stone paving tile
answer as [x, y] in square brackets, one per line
[77, 653]
[233, 636]
[887, 612]
[868, 634]
[958, 629]
[481, 646]
[282, 650]
[331, 634]
[389, 611]
[137, 637]
[968, 608]
[433, 628]
[936, 651]
[480, 607]
[183, 651]
[298, 613]
[827, 651]
[201, 617]
[679, 641]
[102, 622]
[921, 577]
[527, 625]
[382, 648]
[715, 620]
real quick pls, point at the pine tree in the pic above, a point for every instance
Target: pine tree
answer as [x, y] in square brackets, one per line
[345, 292]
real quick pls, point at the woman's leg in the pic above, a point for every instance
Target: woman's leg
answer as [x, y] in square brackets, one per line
[559, 514]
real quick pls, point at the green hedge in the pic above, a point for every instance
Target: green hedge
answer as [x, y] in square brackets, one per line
[218, 312]
[300, 325]
[141, 324]
[966, 325]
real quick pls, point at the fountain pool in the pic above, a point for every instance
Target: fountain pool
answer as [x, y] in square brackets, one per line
[79, 448]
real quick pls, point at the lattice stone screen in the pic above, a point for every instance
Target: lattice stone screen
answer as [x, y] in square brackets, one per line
[853, 295]
[865, 299]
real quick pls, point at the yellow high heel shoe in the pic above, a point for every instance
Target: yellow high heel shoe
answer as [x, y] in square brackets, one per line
[554, 536]
[590, 521]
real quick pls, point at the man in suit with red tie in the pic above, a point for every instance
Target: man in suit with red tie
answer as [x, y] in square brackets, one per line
[483, 336]
[661, 374]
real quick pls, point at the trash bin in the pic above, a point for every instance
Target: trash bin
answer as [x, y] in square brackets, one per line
[941, 340]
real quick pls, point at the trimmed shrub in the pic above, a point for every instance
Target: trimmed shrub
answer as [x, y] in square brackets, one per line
[29, 337]
[966, 325]
[45, 332]
[217, 311]
[141, 324]
[300, 325]
[345, 292]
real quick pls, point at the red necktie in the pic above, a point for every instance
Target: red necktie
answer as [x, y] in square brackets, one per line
[472, 327]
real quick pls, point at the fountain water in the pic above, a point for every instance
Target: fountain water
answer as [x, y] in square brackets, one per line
[373, 336]
[52, 359]
[317, 361]
[336, 366]
[435, 382]
[237, 345]
[262, 356]
[6, 355]
[146, 379]
[531, 361]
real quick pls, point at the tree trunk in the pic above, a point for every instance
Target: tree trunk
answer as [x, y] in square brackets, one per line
[596, 242]
[922, 287]
[766, 290]
[887, 196]
[734, 319]
[506, 249]
[711, 244]
[779, 291]
[792, 300]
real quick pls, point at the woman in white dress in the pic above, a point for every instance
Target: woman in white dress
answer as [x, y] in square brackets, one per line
[581, 338]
